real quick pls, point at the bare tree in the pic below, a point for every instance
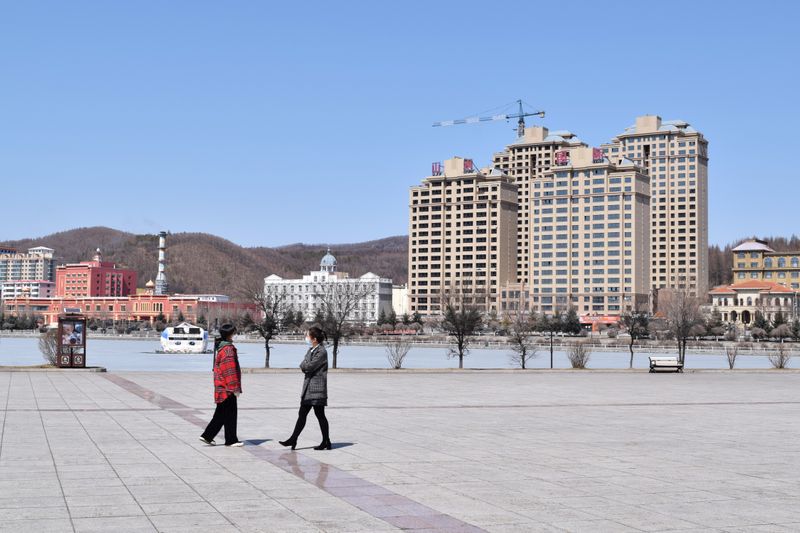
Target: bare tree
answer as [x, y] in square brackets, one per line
[682, 312]
[461, 320]
[579, 355]
[48, 345]
[397, 348]
[339, 302]
[731, 352]
[638, 325]
[520, 335]
[780, 357]
[271, 305]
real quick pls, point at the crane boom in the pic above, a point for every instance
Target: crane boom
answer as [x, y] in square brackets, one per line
[504, 116]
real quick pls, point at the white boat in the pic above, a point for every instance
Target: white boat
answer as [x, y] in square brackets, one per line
[184, 338]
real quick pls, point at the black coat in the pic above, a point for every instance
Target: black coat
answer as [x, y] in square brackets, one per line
[315, 368]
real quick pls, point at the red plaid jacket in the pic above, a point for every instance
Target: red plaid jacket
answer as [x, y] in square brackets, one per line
[227, 374]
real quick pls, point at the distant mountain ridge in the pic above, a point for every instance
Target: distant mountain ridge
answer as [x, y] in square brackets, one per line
[199, 262]
[204, 263]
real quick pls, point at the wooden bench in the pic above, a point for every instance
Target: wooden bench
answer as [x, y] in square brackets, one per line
[665, 363]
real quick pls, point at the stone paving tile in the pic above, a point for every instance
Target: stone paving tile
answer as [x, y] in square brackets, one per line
[528, 452]
[58, 525]
[132, 524]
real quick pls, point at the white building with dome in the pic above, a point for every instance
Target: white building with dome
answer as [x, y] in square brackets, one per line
[304, 294]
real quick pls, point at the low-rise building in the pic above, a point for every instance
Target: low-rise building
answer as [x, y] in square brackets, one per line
[308, 294]
[755, 260]
[738, 303]
[144, 307]
[400, 300]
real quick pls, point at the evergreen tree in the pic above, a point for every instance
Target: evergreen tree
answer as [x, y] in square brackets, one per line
[406, 319]
[417, 318]
[288, 319]
[392, 318]
[381, 318]
[572, 324]
[760, 322]
[299, 319]
[779, 320]
[715, 320]
[319, 318]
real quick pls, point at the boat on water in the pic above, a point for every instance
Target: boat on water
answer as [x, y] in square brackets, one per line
[184, 338]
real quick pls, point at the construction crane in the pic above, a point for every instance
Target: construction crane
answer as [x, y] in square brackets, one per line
[504, 116]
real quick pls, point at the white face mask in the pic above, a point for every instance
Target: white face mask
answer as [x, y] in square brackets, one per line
[308, 341]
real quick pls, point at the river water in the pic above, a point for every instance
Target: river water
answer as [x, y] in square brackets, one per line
[133, 355]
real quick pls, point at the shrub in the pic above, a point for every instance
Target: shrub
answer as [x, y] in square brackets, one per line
[579, 355]
[612, 333]
[780, 357]
[48, 345]
[783, 331]
[397, 348]
[731, 352]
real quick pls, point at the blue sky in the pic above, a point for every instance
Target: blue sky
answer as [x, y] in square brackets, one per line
[270, 123]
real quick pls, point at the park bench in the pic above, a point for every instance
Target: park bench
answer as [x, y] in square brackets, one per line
[665, 363]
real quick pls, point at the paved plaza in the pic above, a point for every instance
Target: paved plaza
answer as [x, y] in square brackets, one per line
[474, 451]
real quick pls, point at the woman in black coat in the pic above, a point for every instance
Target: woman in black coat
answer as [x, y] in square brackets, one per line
[315, 389]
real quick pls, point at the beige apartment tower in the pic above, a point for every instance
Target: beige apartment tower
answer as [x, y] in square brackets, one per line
[524, 160]
[590, 221]
[462, 237]
[675, 156]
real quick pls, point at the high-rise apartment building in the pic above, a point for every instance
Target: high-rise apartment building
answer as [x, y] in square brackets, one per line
[527, 158]
[675, 156]
[590, 222]
[462, 236]
[37, 264]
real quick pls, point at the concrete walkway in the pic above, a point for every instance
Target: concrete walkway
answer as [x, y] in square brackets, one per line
[421, 452]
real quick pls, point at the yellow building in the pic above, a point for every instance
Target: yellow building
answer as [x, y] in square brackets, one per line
[675, 156]
[524, 160]
[591, 235]
[462, 236]
[755, 260]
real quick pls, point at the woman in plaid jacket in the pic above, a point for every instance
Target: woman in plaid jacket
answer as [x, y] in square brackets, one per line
[315, 389]
[227, 388]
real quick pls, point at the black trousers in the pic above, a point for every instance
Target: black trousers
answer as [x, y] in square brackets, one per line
[225, 415]
[319, 412]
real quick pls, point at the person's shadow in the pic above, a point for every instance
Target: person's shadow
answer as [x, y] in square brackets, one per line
[255, 442]
[334, 446]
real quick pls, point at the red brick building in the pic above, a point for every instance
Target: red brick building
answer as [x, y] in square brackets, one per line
[137, 307]
[94, 278]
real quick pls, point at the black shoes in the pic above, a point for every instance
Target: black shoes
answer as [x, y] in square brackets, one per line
[288, 442]
[324, 445]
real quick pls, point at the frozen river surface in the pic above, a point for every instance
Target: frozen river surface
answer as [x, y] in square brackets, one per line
[132, 355]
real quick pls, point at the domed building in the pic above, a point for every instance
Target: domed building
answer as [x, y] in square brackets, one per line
[308, 294]
[328, 263]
